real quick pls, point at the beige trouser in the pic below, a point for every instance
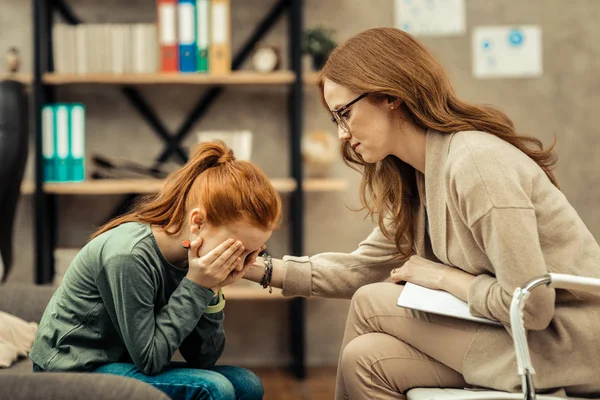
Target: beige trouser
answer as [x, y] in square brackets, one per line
[389, 349]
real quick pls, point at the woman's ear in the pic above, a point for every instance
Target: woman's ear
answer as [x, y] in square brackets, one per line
[197, 219]
[393, 102]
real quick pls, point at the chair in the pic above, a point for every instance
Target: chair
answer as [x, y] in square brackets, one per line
[524, 366]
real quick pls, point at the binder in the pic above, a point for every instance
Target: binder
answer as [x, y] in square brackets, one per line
[220, 37]
[48, 139]
[187, 36]
[167, 35]
[76, 165]
[202, 33]
[420, 298]
[61, 123]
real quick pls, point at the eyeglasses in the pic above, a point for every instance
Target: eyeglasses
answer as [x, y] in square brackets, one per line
[340, 115]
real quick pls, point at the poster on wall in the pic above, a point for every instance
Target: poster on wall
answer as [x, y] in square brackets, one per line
[430, 17]
[507, 51]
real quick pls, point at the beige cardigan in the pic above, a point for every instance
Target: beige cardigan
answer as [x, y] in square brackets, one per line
[492, 213]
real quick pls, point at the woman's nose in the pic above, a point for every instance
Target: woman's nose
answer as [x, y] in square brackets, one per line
[342, 134]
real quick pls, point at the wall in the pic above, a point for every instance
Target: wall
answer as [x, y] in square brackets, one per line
[563, 103]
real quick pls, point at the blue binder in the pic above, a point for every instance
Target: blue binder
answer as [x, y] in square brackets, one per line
[188, 52]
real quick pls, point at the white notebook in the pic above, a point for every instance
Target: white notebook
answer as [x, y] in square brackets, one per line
[437, 302]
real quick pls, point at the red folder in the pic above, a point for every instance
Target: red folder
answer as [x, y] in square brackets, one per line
[167, 35]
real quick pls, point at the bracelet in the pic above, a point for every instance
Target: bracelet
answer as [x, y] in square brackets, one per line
[217, 307]
[268, 275]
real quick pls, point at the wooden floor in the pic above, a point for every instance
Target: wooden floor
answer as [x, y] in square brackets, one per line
[279, 384]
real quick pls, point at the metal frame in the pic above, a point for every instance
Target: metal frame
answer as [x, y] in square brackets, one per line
[44, 204]
[520, 296]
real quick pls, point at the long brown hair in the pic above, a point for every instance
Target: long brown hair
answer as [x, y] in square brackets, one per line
[229, 190]
[390, 62]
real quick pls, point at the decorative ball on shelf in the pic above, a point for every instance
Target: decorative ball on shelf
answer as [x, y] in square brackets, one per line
[266, 58]
[13, 60]
[319, 151]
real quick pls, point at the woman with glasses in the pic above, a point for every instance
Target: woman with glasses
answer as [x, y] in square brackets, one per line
[464, 204]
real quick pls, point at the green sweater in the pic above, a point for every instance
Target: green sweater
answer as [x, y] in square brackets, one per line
[122, 301]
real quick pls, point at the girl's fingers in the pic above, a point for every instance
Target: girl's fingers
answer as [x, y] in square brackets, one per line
[226, 265]
[222, 252]
[195, 245]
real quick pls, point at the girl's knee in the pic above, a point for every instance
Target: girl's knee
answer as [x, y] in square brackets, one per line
[252, 388]
[246, 383]
[218, 387]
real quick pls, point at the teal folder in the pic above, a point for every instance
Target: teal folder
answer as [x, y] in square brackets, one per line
[48, 139]
[61, 123]
[76, 157]
[202, 33]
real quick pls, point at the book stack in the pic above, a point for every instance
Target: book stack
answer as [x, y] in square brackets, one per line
[63, 142]
[194, 36]
[189, 36]
[105, 48]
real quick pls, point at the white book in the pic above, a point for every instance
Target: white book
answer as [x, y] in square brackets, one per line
[58, 42]
[437, 302]
[127, 48]
[91, 54]
[70, 62]
[106, 49]
[138, 49]
[80, 49]
[152, 56]
[117, 51]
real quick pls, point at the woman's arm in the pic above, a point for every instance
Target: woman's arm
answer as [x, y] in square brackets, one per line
[510, 238]
[432, 275]
[334, 275]
[257, 270]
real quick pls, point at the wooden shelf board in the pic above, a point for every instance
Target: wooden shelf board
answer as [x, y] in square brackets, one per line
[235, 78]
[23, 78]
[310, 78]
[127, 186]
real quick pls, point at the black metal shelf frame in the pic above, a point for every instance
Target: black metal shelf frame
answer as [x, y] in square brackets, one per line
[44, 204]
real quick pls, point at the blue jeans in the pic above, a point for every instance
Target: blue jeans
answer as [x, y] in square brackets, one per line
[180, 382]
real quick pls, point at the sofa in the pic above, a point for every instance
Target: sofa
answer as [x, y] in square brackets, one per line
[20, 383]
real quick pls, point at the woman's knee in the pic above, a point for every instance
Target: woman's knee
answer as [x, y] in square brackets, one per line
[354, 355]
[378, 360]
[375, 298]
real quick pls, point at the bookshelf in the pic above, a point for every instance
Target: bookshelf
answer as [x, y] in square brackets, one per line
[46, 195]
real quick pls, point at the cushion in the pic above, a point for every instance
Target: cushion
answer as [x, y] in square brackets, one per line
[22, 366]
[16, 338]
